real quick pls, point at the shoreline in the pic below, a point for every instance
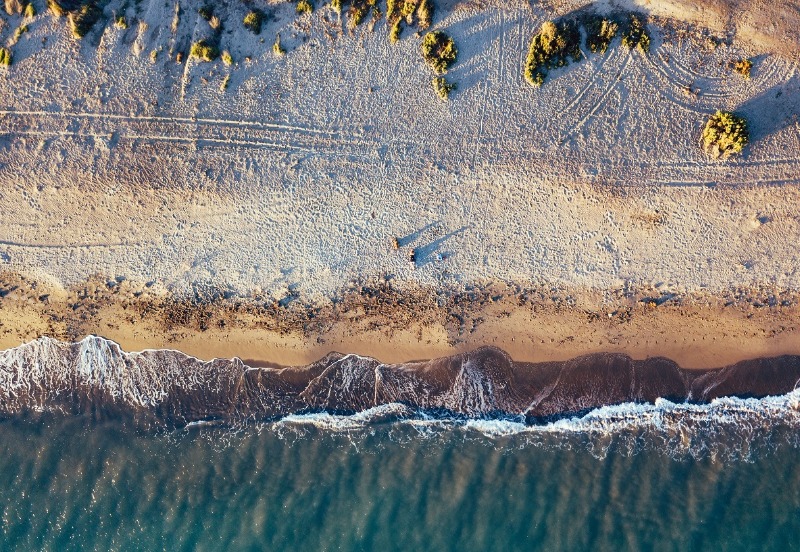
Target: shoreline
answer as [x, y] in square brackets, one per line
[169, 387]
[400, 323]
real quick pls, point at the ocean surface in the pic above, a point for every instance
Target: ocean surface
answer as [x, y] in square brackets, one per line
[78, 484]
[106, 450]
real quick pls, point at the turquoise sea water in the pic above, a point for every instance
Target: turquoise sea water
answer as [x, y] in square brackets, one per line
[74, 484]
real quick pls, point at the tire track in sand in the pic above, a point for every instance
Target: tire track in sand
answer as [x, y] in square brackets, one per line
[201, 130]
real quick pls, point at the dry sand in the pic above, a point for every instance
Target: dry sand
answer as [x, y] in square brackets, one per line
[293, 182]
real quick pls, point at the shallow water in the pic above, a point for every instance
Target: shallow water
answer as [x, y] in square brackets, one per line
[301, 484]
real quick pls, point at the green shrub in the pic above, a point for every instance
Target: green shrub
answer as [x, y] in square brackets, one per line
[226, 58]
[56, 8]
[120, 22]
[337, 6]
[277, 49]
[443, 88]
[6, 58]
[743, 67]
[551, 48]
[304, 6]
[206, 12]
[254, 20]
[82, 20]
[407, 10]
[424, 14]
[725, 134]
[394, 31]
[204, 51]
[21, 30]
[439, 51]
[599, 33]
[30, 11]
[391, 9]
[636, 35]
[176, 19]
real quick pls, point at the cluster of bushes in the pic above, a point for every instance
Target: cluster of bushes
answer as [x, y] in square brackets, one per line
[725, 134]
[357, 11]
[439, 52]
[552, 47]
[207, 49]
[81, 14]
[408, 12]
[558, 43]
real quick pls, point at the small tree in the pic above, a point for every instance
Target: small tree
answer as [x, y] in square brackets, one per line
[439, 51]
[425, 14]
[56, 8]
[14, 7]
[725, 134]
[394, 31]
[277, 49]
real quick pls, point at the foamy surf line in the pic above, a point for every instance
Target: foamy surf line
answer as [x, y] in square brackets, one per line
[483, 392]
[725, 429]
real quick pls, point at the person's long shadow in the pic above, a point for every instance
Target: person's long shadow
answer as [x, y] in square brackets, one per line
[414, 236]
[427, 253]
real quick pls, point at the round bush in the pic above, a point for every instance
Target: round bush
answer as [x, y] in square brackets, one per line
[439, 51]
[725, 134]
